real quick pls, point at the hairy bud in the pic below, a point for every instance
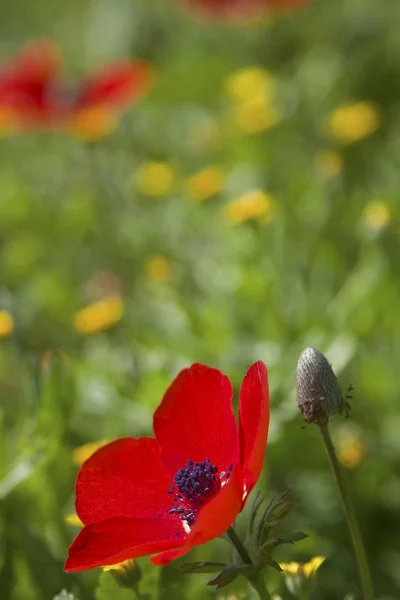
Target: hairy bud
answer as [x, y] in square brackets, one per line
[318, 392]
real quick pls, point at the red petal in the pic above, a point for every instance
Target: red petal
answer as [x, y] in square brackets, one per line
[125, 478]
[213, 520]
[195, 420]
[118, 539]
[253, 422]
[38, 61]
[116, 84]
[26, 85]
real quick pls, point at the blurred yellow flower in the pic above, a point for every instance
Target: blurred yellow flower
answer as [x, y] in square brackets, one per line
[255, 204]
[313, 565]
[249, 82]
[99, 316]
[350, 451]
[158, 268]
[291, 568]
[308, 569]
[73, 520]
[377, 215]
[94, 123]
[354, 121]
[206, 183]
[155, 179]
[255, 115]
[329, 163]
[6, 324]
[121, 567]
[82, 453]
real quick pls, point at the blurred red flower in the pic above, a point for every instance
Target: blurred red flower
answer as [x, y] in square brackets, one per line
[33, 94]
[167, 494]
[239, 10]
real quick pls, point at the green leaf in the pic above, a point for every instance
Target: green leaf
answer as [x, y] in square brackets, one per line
[267, 560]
[229, 574]
[202, 567]
[290, 538]
[108, 589]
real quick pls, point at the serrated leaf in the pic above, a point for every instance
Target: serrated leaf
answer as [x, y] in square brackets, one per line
[259, 499]
[108, 589]
[267, 560]
[229, 574]
[202, 567]
[293, 537]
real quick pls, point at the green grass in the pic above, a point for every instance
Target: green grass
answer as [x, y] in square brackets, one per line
[317, 275]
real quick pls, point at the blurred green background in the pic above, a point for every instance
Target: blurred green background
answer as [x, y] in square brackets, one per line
[245, 208]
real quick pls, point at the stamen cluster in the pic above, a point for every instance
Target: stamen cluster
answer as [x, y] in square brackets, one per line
[194, 486]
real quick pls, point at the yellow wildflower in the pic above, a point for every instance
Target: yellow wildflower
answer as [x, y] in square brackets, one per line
[6, 324]
[354, 121]
[255, 204]
[206, 183]
[82, 453]
[73, 520]
[307, 569]
[99, 316]
[155, 179]
[329, 163]
[94, 123]
[377, 215]
[350, 451]
[249, 82]
[158, 268]
[255, 115]
[291, 568]
[121, 567]
[313, 565]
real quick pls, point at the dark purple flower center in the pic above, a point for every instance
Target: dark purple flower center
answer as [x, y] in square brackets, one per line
[195, 485]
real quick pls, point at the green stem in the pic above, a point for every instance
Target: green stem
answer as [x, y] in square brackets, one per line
[258, 584]
[257, 580]
[137, 592]
[365, 575]
[244, 555]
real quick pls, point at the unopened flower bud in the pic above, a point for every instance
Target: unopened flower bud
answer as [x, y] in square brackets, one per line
[318, 392]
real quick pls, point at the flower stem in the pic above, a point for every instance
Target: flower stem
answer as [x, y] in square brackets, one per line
[137, 592]
[258, 584]
[359, 549]
[244, 555]
[257, 580]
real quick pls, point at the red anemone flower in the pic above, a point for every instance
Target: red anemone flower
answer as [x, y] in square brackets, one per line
[186, 486]
[25, 83]
[241, 10]
[33, 94]
[229, 9]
